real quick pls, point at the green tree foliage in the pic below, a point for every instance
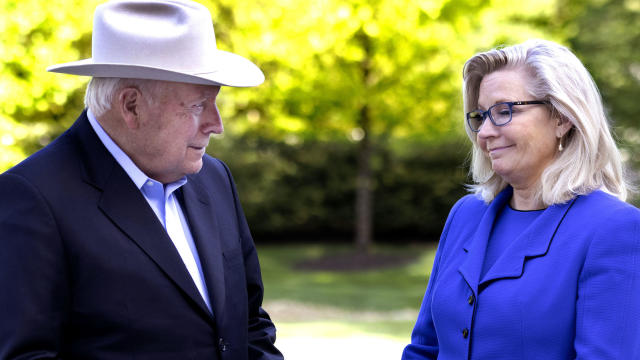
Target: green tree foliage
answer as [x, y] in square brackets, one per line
[37, 105]
[606, 36]
[354, 89]
[374, 72]
[314, 53]
[306, 191]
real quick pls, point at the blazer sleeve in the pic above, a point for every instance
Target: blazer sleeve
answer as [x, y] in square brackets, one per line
[608, 303]
[424, 341]
[262, 331]
[32, 274]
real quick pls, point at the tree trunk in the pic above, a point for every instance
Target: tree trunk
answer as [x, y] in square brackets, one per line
[364, 182]
[364, 188]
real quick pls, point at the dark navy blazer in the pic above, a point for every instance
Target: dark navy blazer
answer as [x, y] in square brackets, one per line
[88, 272]
[567, 288]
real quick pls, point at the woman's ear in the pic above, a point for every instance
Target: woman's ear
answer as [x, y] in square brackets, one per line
[129, 105]
[563, 126]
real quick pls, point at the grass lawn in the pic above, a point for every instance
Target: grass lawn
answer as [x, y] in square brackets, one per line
[380, 303]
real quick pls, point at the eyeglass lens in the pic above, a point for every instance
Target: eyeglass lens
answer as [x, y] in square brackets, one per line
[499, 113]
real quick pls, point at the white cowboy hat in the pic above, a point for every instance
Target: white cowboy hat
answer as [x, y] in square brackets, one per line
[169, 40]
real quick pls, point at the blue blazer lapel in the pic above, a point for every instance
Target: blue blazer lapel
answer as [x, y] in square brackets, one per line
[205, 230]
[123, 203]
[476, 246]
[533, 242]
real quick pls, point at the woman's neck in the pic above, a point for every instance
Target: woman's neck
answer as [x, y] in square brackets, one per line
[526, 199]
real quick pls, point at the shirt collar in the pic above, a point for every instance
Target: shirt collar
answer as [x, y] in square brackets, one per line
[137, 176]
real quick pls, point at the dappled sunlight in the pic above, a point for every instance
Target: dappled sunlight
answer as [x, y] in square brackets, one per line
[335, 333]
[387, 288]
[338, 75]
[294, 312]
[304, 347]
[354, 314]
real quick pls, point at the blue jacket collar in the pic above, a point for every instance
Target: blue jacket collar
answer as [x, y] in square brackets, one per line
[533, 242]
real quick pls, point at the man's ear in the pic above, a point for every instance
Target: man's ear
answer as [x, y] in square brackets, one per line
[129, 102]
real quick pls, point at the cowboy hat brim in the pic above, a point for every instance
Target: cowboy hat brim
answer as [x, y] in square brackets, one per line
[229, 70]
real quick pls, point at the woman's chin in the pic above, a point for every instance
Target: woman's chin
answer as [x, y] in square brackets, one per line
[501, 171]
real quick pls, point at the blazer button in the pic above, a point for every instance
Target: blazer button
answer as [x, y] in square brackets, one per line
[471, 299]
[222, 345]
[465, 333]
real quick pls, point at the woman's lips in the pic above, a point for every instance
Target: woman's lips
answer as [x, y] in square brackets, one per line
[498, 149]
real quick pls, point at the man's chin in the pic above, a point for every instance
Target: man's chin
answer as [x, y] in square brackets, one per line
[194, 168]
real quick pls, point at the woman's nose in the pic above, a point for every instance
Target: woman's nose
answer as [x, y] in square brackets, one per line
[487, 129]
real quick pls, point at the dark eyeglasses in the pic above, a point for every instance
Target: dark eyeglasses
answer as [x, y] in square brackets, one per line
[500, 113]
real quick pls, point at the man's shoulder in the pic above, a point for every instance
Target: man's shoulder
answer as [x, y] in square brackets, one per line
[55, 158]
[213, 163]
[213, 172]
[212, 166]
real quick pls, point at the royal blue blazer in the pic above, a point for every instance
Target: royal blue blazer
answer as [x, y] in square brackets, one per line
[88, 272]
[567, 288]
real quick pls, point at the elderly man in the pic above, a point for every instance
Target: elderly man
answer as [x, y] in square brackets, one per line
[122, 239]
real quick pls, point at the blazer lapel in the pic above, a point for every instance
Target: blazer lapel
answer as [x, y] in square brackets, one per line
[125, 205]
[476, 246]
[533, 242]
[206, 233]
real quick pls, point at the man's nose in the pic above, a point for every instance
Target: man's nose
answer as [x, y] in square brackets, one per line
[211, 121]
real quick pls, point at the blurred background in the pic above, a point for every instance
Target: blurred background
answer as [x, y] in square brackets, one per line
[350, 155]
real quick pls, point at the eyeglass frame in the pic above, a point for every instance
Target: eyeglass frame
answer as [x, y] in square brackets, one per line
[508, 103]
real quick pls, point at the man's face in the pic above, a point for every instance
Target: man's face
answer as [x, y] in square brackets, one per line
[174, 130]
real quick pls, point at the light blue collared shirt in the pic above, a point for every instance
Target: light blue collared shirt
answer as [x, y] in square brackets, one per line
[165, 205]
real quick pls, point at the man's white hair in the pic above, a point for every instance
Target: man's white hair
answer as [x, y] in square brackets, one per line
[590, 159]
[100, 92]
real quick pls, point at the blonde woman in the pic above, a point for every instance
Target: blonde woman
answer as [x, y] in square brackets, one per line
[542, 261]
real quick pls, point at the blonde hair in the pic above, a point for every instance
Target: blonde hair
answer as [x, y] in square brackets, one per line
[590, 159]
[100, 91]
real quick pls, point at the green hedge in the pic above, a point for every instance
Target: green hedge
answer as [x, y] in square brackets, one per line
[307, 190]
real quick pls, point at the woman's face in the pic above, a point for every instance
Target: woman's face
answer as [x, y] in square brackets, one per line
[520, 150]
